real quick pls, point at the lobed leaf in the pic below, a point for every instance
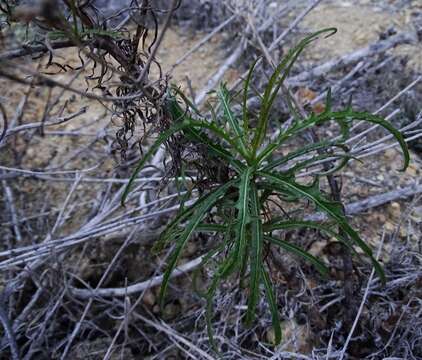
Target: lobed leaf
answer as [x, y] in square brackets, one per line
[256, 254]
[275, 83]
[190, 228]
[332, 209]
[243, 218]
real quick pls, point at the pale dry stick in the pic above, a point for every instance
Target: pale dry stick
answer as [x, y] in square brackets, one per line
[393, 333]
[59, 219]
[264, 49]
[203, 41]
[363, 53]
[50, 311]
[71, 133]
[149, 204]
[399, 94]
[388, 103]
[211, 84]
[78, 325]
[348, 59]
[216, 30]
[362, 304]
[34, 172]
[361, 134]
[374, 201]
[20, 108]
[44, 213]
[378, 146]
[9, 333]
[26, 312]
[350, 209]
[338, 84]
[36, 125]
[330, 345]
[18, 322]
[363, 180]
[270, 60]
[334, 88]
[370, 152]
[101, 230]
[76, 154]
[404, 129]
[383, 147]
[344, 61]
[183, 350]
[138, 287]
[48, 81]
[277, 42]
[280, 354]
[10, 202]
[48, 247]
[163, 327]
[220, 72]
[44, 249]
[331, 303]
[333, 157]
[136, 303]
[144, 180]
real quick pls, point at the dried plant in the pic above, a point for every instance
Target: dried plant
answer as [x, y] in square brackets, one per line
[121, 59]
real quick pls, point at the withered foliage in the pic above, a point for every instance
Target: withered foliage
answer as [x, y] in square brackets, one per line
[118, 48]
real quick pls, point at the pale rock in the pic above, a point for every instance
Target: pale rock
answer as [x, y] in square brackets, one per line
[149, 298]
[395, 210]
[390, 227]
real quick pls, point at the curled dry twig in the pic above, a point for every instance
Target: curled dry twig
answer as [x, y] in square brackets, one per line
[135, 97]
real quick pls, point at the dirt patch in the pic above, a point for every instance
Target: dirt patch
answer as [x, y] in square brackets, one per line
[360, 23]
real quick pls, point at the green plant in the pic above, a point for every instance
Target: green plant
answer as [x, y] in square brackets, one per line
[242, 143]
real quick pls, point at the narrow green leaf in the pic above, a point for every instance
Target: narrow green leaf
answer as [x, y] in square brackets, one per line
[272, 303]
[368, 117]
[256, 254]
[322, 145]
[190, 229]
[309, 163]
[191, 132]
[186, 100]
[332, 209]
[319, 265]
[328, 101]
[245, 98]
[224, 97]
[275, 83]
[211, 228]
[171, 231]
[242, 206]
[343, 118]
[215, 149]
[209, 256]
